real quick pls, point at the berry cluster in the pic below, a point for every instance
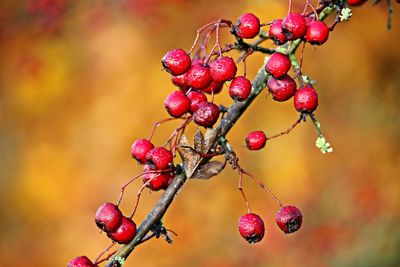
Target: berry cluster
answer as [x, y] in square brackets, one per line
[200, 74]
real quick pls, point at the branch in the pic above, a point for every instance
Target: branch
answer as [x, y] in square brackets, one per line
[234, 112]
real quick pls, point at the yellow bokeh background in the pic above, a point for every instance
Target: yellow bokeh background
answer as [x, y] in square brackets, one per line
[80, 80]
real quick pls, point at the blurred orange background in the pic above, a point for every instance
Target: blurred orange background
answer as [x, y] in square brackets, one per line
[80, 80]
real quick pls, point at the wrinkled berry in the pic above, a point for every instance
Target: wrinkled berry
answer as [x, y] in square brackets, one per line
[206, 115]
[159, 158]
[176, 62]
[177, 104]
[140, 148]
[196, 98]
[108, 217]
[276, 33]
[240, 88]
[125, 232]
[278, 64]
[306, 99]
[248, 26]
[282, 89]
[223, 69]
[199, 76]
[294, 26]
[251, 228]
[256, 140]
[80, 261]
[317, 32]
[289, 219]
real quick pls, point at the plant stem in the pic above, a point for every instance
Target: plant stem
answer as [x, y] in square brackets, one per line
[234, 112]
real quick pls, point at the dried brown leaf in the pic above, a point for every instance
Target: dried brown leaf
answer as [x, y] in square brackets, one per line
[208, 170]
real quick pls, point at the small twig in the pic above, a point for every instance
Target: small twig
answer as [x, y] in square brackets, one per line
[157, 124]
[288, 130]
[136, 177]
[240, 187]
[103, 252]
[389, 18]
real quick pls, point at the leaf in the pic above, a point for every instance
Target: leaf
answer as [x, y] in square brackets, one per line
[209, 138]
[190, 158]
[208, 170]
[199, 142]
[323, 145]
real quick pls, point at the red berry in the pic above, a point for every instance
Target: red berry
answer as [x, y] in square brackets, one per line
[278, 65]
[276, 33]
[157, 180]
[199, 76]
[176, 62]
[251, 228]
[306, 99]
[294, 26]
[159, 158]
[213, 88]
[181, 82]
[223, 69]
[256, 140]
[177, 104]
[81, 261]
[196, 98]
[240, 88]
[248, 26]
[283, 88]
[317, 32]
[108, 217]
[125, 232]
[309, 20]
[356, 2]
[206, 115]
[140, 148]
[289, 219]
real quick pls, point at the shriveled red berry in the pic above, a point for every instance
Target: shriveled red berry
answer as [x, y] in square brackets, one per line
[177, 104]
[256, 140]
[125, 232]
[213, 88]
[306, 99]
[223, 69]
[289, 219]
[356, 2]
[157, 180]
[276, 33]
[108, 217]
[248, 26]
[317, 32]
[140, 148]
[251, 227]
[80, 261]
[176, 61]
[196, 97]
[159, 158]
[240, 88]
[294, 26]
[278, 64]
[181, 82]
[199, 76]
[282, 89]
[206, 114]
